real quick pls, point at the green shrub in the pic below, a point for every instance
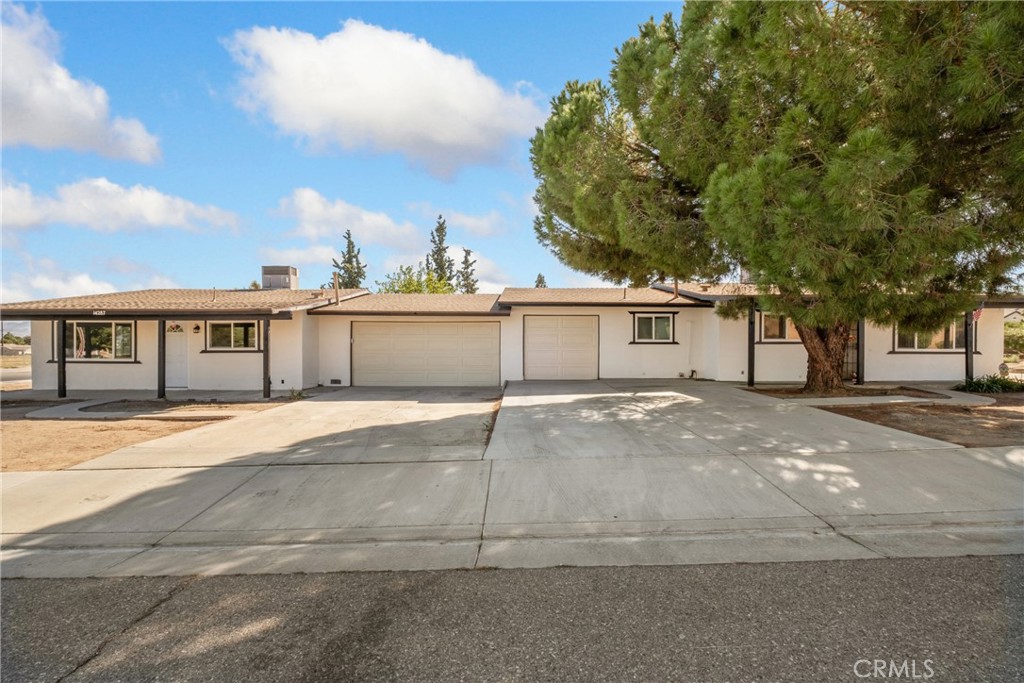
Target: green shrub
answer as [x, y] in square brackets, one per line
[1013, 338]
[990, 384]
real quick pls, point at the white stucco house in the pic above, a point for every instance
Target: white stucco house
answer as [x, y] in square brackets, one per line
[282, 337]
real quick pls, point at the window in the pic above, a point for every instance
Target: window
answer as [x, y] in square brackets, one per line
[232, 336]
[778, 328]
[948, 338]
[100, 341]
[652, 328]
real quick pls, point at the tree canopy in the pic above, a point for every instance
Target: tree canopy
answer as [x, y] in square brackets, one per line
[438, 261]
[860, 160]
[437, 275]
[351, 270]
[413, 280]
[465, 279]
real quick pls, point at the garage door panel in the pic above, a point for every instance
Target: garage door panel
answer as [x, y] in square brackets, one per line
[560, 347]
[425, 354]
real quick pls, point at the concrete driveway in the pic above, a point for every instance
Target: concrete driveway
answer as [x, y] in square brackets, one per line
[613, 473]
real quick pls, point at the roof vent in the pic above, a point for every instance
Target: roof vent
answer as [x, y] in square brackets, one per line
[705, 287]
[280, 277]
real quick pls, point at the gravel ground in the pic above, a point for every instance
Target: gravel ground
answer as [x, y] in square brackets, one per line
[959, 619]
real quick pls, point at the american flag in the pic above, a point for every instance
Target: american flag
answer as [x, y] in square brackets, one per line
[977, 313]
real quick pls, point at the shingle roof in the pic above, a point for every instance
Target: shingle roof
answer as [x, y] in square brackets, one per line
[723, 291]
[417, 304]
[592, 296]
[181, 302]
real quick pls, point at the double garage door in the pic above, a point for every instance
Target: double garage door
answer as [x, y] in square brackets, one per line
[469, 353]
[450, 354]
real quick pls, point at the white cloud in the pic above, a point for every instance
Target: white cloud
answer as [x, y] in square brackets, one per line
[319, 217]
[45, 106]
[480, 225]
[318, 254]
[102, 205]
[44, 279]
[145, 276]
[491, 278]
[365, 87]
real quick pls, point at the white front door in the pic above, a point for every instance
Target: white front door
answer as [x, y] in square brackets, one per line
[177, 356]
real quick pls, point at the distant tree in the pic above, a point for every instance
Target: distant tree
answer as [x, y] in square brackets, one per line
[465, 279]
[254, 285]
[10, 338]
[541, 283]
[351, 271]
[410, 280]
[438, 261]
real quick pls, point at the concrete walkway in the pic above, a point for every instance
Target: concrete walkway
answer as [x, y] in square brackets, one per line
[581, 473]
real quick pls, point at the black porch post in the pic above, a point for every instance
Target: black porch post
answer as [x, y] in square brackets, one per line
[161, 359]
[969, 345]
[860, 351]
[266, 358]
[750, 345]
[62, 359]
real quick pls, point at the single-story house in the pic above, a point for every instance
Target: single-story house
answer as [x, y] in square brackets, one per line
[282, 337]
[1014, 316]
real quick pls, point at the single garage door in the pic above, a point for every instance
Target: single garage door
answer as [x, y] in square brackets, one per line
[414, 354]
[560, 346]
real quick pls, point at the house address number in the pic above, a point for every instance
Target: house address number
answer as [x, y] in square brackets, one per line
[99, 312]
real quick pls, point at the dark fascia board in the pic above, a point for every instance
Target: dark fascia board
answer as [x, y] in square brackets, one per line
[616, 304]
[446, 314]
[994, 301]
[1004, 301]
[79, 314]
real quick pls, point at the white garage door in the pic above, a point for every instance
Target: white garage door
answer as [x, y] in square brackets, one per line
[560, 347]
[417, 354]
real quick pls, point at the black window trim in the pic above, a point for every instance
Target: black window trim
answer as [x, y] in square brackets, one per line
[220, 349]
[54, 326]
[671, 315]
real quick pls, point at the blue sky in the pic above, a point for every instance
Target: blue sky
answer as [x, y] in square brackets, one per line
[187, 144]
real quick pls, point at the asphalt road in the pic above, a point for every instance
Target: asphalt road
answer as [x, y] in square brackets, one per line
[942, 619]
[15, 374]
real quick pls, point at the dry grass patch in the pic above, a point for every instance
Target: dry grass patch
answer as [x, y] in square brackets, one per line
[999, 424]
[34, 445]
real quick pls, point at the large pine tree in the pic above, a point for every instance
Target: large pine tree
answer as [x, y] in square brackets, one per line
[860, 160]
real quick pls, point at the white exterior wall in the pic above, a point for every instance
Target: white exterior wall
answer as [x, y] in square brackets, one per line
[95, 375]
[310, 350]
[787, 362]
[287, 354]
[227, 370]
[617, 357]
[883, 364]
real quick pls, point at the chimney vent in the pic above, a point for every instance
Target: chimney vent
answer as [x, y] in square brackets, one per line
[280, 277]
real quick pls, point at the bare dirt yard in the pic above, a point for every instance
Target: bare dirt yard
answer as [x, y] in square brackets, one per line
[35, 445]
[851, 390]
[999, 424]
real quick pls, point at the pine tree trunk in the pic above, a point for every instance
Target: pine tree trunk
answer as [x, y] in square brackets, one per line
[826, 352]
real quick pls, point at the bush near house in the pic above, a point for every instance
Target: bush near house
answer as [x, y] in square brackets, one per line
[990, 384]
[1013, 338]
